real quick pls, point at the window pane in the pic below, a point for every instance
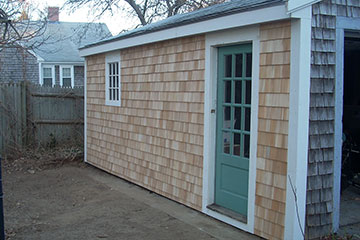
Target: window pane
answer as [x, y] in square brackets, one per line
[248, 64]
[226, 141]
[67, 82]
[238, 65]
[66, 72]
[110, 94]
[227, 117]
[47, 72]
[236, 144]
[48, 82]
[238, 91]
[110, 82]
[248, 92]
[117, 68]
[117, 94]
[237, 118]
[247, 119]
[227, 91]
[228, 65]
[246, 145]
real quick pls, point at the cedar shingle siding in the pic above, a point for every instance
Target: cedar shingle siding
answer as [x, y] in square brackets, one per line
[155, 139]
[273, 127]
[17, 64]
[319, 200]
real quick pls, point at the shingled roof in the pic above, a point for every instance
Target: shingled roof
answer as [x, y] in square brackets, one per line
[61, 40]
[227, 8]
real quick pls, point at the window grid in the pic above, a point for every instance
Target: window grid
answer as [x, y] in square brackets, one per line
[114, 81]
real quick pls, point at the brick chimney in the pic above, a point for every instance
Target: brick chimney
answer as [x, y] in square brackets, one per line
[53, 14]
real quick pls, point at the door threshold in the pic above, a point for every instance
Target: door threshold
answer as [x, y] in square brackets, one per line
[227, 212]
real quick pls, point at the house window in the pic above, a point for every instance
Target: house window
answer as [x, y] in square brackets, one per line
[113, 80]
[67, 76]
[48, 76]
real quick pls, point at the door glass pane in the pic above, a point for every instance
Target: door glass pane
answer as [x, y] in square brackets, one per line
[228, 65]
[227, 117]
[237, 118]
[226, 141]
[246, 145]
[247, 119]
[248, 92]
[238, 91]
[227, 91]
[248, 64]
[236, 150]
[238, 65]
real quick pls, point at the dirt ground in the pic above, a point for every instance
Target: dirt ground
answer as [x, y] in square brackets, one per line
[69, 199]
[57, 196]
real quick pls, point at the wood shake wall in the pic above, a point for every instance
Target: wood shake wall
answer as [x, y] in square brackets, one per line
[155, 139]
[272, 129]
[319, 197]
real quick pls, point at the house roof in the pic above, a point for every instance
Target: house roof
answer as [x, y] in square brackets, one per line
[61, 40]
[227, 8]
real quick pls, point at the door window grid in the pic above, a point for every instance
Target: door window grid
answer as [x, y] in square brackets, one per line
[236, 124]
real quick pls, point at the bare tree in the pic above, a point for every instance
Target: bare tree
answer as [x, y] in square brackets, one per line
[15, 26]
[146, 11]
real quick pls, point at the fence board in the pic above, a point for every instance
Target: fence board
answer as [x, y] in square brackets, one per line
[32, 114]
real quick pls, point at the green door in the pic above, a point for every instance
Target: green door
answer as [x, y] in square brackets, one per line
[233, 127]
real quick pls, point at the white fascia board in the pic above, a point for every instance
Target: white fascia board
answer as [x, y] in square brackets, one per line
[39, 59]
[241, 19]
[296, 5]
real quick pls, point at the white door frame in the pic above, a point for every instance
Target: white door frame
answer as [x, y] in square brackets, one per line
[342, 24]
[212, 42]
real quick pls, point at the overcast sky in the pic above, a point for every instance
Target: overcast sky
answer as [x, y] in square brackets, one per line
[115, 23]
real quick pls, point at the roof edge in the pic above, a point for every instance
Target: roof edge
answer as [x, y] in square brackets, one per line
[186, 22]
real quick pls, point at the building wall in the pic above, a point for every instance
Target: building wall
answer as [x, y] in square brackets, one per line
[319, 199]
[273, 127]
[16, 65]
[155, 139]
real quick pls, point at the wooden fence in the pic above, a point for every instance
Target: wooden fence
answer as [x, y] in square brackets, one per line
[36, 115]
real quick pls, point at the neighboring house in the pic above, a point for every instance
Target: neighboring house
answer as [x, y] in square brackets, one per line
[54, 59]
[234, 110]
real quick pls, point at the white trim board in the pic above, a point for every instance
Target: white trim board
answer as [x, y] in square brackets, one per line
[272, 13]
[297, 158]
[212, 41]
[85, 112]
[342, 24]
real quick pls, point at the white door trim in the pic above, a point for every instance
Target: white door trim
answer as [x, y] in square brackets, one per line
[212, 41]
[342, 24]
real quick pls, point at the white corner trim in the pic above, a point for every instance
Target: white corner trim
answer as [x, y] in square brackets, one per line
[342, 24]
[272, 13]
[295, 209]
[212, 41]
[85, 112]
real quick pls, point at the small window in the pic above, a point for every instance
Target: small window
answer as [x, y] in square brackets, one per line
[48, 76]
[67, 76]
[113, 80]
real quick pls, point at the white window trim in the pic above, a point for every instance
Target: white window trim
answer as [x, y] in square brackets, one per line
[212, 41]
[72, 74]
[52, 74]
[112, 58]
